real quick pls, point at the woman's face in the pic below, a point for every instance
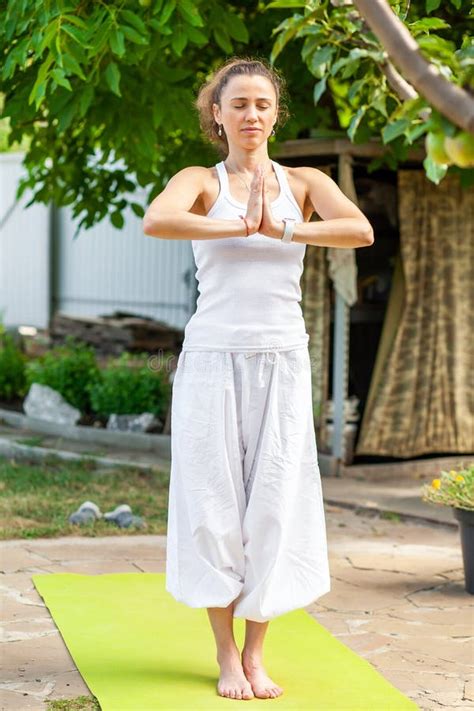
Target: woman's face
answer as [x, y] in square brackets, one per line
[247, 101]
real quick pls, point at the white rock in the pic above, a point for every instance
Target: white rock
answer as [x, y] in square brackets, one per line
[133, 423]
[44, 403]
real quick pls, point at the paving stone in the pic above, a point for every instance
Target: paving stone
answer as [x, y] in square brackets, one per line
[366, 593]
[68, 685]
[469, 689]
[408, 659]
[363, 642]
[27, 629]
[27, 597]
[19, 558]
[37, 658]
[334, 623]
[404, 559]
[407, 629]
[151, 566]
[447, 595]
[96, 567]
[19, 700]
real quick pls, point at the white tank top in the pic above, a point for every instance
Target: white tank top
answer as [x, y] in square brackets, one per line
[249, 287]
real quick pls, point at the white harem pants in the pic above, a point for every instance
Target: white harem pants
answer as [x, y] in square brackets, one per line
[245, 517]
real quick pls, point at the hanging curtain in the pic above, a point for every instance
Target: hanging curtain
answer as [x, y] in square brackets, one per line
[421, 398]
[315, 304]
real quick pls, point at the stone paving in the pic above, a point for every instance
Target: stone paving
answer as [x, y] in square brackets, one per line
[397, 599]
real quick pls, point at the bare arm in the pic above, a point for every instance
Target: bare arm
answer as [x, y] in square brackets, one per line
[168, 215]
[342, 223]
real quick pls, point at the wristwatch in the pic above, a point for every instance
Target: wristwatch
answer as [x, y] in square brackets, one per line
[289, 229]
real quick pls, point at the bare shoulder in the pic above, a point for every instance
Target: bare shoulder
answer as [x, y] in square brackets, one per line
[308, 175]
[183, 191]
[192, 172]
[325, 195]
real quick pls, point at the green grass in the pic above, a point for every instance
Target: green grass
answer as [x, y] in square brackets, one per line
[37, 499]
[80, 703]
[31, 441]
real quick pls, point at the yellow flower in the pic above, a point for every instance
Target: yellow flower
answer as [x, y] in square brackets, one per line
[459, 477]
[436, 483]
[452, 472]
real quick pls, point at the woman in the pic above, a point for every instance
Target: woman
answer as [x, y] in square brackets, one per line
[246, 528]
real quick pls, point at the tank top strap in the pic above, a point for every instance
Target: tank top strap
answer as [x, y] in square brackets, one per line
[284, 184]
[223, 179]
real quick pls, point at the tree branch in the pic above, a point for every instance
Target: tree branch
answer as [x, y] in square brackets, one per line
[404, 90]
[452, 101]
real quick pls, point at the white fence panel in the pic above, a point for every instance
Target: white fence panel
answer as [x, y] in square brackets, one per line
[25, 269]
[104, 270]
[44, 270]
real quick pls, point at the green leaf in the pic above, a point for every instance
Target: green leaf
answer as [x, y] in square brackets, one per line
[355, 88]
[285, 36]
[415, 132]
[190, 13]
[117, 219]
[59, 78]
[196, 36]
[432, 5]
[134, 21]
[355, 121]
[427, 23]
[85, 99]
[320, 58]
[133, 35]
[379, 103]
[137, 209]
[67, 114]
[73, 66]
[237, 29]
[319, 89]
[180, 40]
[167, 11]
[222, 39]
[76, 34]
[395, 129]
[435, 44]
[49, 35]
[117, 42]
[39, 88]
[341, 62]
[112, 74]
[285, 3]
[434, 171]
[74, 20]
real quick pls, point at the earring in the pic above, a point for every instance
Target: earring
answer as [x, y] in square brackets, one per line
[219, 132]
[273, 132]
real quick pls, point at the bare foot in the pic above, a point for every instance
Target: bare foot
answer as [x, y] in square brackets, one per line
[232, 680]
[262, 686]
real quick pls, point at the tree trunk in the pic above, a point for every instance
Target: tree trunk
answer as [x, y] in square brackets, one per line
[452, 101]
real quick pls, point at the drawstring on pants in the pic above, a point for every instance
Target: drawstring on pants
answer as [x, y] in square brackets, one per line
[266, 355]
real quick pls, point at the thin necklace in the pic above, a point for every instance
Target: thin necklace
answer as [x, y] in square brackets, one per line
[237, 174]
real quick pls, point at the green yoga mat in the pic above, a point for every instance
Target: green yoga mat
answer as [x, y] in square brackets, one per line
[140, 650]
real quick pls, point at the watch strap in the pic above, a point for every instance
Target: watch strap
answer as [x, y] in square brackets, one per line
[289, 229]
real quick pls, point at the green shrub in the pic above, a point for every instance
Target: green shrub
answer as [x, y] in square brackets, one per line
[69, 369]
[127, 389]
[12, 367]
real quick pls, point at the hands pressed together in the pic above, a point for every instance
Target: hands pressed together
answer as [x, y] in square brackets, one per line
[259, 214]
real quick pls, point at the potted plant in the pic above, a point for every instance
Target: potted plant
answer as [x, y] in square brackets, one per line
[456, 489]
